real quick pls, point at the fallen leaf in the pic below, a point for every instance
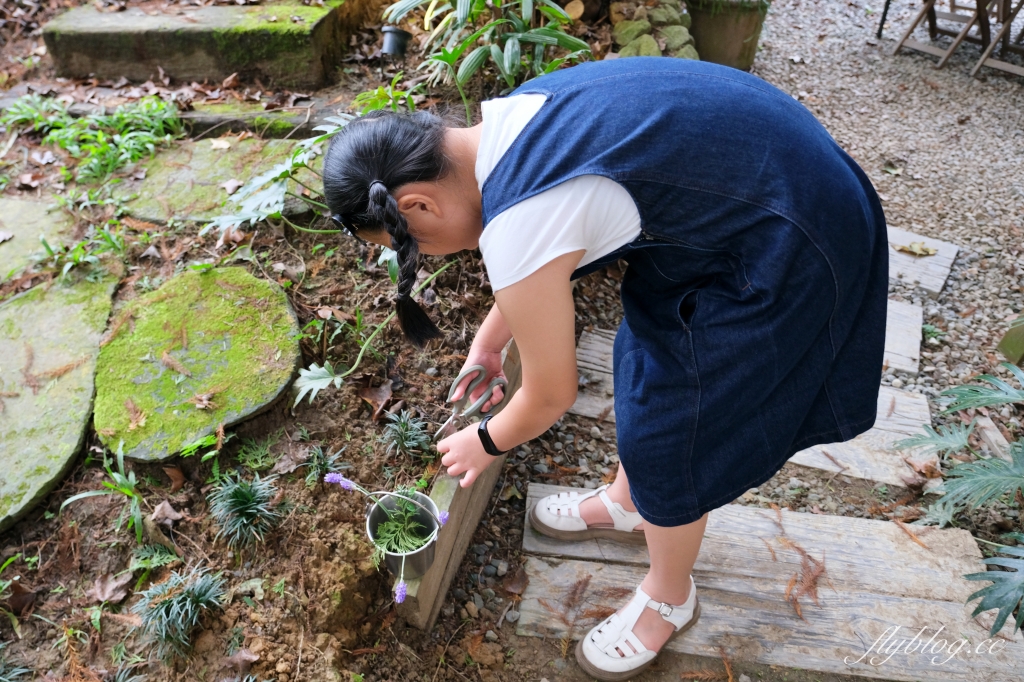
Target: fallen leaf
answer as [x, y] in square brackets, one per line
[5, 236]
[43, 158]
[516, 583]
[21, 600]
[574, 9]
[30, 180]
[970, 311]
[377, 397]
[893, 170]
[171, 362]
[916, 249]
[177, 478]
[220, 143]
[232, 185]
[230, 82]
[109, 588]
[165, 514]
[241, 660]
[136, 417]
[154, 536]
[292, 459]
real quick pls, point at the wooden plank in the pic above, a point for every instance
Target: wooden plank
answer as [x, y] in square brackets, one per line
[993, 439]
[923, 47]
[871, 455]
[847, 633]
[903, 337]
[930, 272]
[465, 507]
[878, 578]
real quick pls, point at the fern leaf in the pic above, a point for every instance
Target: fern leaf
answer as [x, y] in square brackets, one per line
[314, 380]
[975, 483]
[1001, 393]
[944, 441]
[1006, 592]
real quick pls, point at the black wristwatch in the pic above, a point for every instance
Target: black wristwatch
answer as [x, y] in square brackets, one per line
[485, 438]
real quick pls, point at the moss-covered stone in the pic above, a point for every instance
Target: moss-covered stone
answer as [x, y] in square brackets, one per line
[27, 220]
[184, 181]
[687, 52]
[644, 46]
[620, 11]
[236, 337]
[49, 340]
[664, 16]
[675, 37]
[626, 32]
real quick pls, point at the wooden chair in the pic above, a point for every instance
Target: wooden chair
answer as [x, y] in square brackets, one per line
[978, 15]
[1003, 36]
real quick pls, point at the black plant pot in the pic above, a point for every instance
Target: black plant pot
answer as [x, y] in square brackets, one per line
[395, 41]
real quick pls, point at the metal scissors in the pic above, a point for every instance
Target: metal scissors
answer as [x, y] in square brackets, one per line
[459, 409]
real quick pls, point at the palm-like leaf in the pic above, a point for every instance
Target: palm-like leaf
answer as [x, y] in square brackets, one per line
[1001, 393]
[314, 380]
[975, 483]
[1006, 592]
[939, 513]
[944, 441]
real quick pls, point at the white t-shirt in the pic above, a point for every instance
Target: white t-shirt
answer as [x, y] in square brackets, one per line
[588, 212]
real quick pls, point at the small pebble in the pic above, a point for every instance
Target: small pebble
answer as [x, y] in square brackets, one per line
[512, 616]
[490, 636]
[490, 571]
[896, 383]
[432, 371]
[471, 609]
[488, 594]
[540, 468]
[479, 549]
[595, 432]
[478, 601]
[502, 568]
[460, 594]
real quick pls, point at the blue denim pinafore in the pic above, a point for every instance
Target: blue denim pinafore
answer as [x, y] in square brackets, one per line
[755, 296]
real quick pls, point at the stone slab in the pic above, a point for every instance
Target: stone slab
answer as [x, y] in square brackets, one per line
[27, 219]
[930, 272]
[221, 332]
[284, 45]
[184, 182]
[49, 340]
[876, 579]
[903, 324]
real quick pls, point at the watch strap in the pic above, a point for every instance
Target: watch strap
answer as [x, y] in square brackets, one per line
[489, 447]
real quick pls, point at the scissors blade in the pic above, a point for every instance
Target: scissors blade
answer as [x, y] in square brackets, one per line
[446, 429]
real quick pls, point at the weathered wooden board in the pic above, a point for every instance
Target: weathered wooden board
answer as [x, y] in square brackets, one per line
[465, 507]
[871, 455]
[930, 272]
[903, 337]
[878, 579]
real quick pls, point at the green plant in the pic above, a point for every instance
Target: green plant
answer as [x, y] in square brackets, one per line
[320, 464]
[401, 532]
[148, 557]
[170, 611]
[1006, 593]
[405, 434]
[975, 483]
[386, 97]
[5, 586]
[931, 332]
[123, 483]
[213, 441]
[944, 441]
[1001, 393]
[245, 510]
[33, 113]
[126, 673]
[255, 454]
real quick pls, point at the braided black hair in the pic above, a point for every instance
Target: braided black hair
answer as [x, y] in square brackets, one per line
[370, 158]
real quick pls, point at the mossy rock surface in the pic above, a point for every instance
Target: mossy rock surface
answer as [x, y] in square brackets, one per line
[626, 32]
[644, 46]
[687, 52]
[49, 340]
[675, 37]
[664, 16]
[234, 335]
[184, 181]
[27, 220]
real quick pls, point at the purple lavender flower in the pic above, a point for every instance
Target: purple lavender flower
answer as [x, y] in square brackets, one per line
[400, 591]
[443, 517]
[340, 480]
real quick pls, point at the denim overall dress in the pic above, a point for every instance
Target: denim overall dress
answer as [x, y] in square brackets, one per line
[755, 295]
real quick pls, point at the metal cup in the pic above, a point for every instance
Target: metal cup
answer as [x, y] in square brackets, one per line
[395, 41]
[417, 561]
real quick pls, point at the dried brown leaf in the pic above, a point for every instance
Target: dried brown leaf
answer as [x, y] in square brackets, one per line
[110, 588]
[171, 362]
[241, 661]
[177, 478]
[165, 514]
[377, 397]
[136, 417]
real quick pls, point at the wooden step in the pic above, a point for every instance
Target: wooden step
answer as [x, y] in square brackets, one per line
[930, 272]
[879, 587]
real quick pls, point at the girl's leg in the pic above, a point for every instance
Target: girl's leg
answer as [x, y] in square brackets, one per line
[593, 510]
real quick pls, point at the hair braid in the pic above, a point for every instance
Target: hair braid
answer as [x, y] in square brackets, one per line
[415, 323]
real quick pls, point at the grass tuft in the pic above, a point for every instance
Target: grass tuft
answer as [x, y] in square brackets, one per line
[245, 510]
[171, 610]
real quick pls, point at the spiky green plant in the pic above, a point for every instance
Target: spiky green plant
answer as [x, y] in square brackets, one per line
[149, 557]
[944, 441]
[940, 513]
[245, 510]
[1000, 392]
[1006, 592]
[8, 671]
[127, 673]
[320, 464]
[255, 453]
[405, 434]
[975, 483]
[170, 611]
[401, 532]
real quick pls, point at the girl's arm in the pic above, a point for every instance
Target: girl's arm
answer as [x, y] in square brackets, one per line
[539, 313]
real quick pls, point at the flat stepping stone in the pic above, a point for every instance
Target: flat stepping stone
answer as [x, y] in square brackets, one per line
[930, 272]
[49, 340]
[186, 181]
[877, 579]
[870, 455]
[204, 350]
[285, 45]
[595, 399]
[26, 220]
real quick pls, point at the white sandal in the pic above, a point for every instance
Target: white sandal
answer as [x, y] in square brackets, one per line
[611, 652]
[558, 516]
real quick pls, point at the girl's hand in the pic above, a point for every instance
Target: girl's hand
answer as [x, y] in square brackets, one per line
[491, 360]
[465, 453]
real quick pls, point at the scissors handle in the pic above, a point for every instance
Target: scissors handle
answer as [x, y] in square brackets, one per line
[474, 409]
[481, 375]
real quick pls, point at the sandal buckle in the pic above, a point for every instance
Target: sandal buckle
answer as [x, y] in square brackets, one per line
[665, 610]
